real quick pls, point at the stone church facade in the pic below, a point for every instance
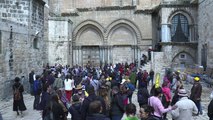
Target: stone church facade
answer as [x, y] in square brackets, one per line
[99, 31]
[111, 31]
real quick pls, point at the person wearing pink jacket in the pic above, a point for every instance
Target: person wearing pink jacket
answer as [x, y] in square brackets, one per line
[166, 98]
[156, 103]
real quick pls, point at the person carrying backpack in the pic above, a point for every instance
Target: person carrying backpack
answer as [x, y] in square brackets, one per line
[143, 96]
[37, 91]
[131, 89]
[18, 101]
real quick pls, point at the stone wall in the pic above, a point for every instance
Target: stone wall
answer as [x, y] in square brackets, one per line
[172, 55]
[205, 18]
[37, 15]
[22, 42]
[66, 6]
[59, 41]
[101, 23]
[106, 18]
[18, 56]
[15, 10]
[159, 64]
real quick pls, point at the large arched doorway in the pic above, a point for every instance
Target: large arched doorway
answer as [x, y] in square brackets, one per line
[118, 43]
[123, 38]
[88, 37]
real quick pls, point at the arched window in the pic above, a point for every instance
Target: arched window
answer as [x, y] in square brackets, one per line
[35, 43]
[180, 28]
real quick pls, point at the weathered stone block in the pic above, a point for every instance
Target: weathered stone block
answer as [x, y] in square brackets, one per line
[2, 1]
[4, 14]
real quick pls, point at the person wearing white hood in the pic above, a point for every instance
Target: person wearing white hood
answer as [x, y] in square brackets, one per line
[185, 107]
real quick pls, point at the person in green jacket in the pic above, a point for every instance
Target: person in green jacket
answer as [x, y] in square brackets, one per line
[131, 112]
[132, 77]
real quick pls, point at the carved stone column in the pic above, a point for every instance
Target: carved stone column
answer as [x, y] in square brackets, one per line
[165, 33]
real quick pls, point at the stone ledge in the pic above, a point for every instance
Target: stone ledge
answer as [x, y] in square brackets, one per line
[60, 19]
[146, 11]
[115, 8]
[173, 4]
[191, 44]
[106, 8]
[69, 14]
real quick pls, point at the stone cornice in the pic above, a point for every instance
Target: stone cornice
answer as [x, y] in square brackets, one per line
[191, 44]
[174, 4]
[106, 8]
[69, 14]
[60, 19]
[146, 11]
[149, 10]
[115, 8]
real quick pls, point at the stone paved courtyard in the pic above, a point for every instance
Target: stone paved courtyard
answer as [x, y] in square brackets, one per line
[30, 114]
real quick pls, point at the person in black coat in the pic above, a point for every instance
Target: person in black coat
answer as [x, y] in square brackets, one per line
[54, 110]
[139, 78]
[210, 110]
[95, 109]
[143, 96]
[31, 80]
[18, 104]
[146, 113]
[75, 108]
[92, 97]
[117, 105]
[45, 97]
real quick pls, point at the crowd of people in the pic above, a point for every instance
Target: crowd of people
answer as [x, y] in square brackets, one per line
[105, 93]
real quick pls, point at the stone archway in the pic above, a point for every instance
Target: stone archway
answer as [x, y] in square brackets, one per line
[87, 39]
[182, 60]
[123, 37]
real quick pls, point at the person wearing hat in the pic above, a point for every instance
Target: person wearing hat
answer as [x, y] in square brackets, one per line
[196, 92]
[185, 107]
[80, 92]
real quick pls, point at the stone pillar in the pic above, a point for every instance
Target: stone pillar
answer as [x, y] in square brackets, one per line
[101, 54]
[135, 53]
[165, 33]
[80, 61]
[110, 54]
[75, 55]
[105, 54]
[139, 56]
